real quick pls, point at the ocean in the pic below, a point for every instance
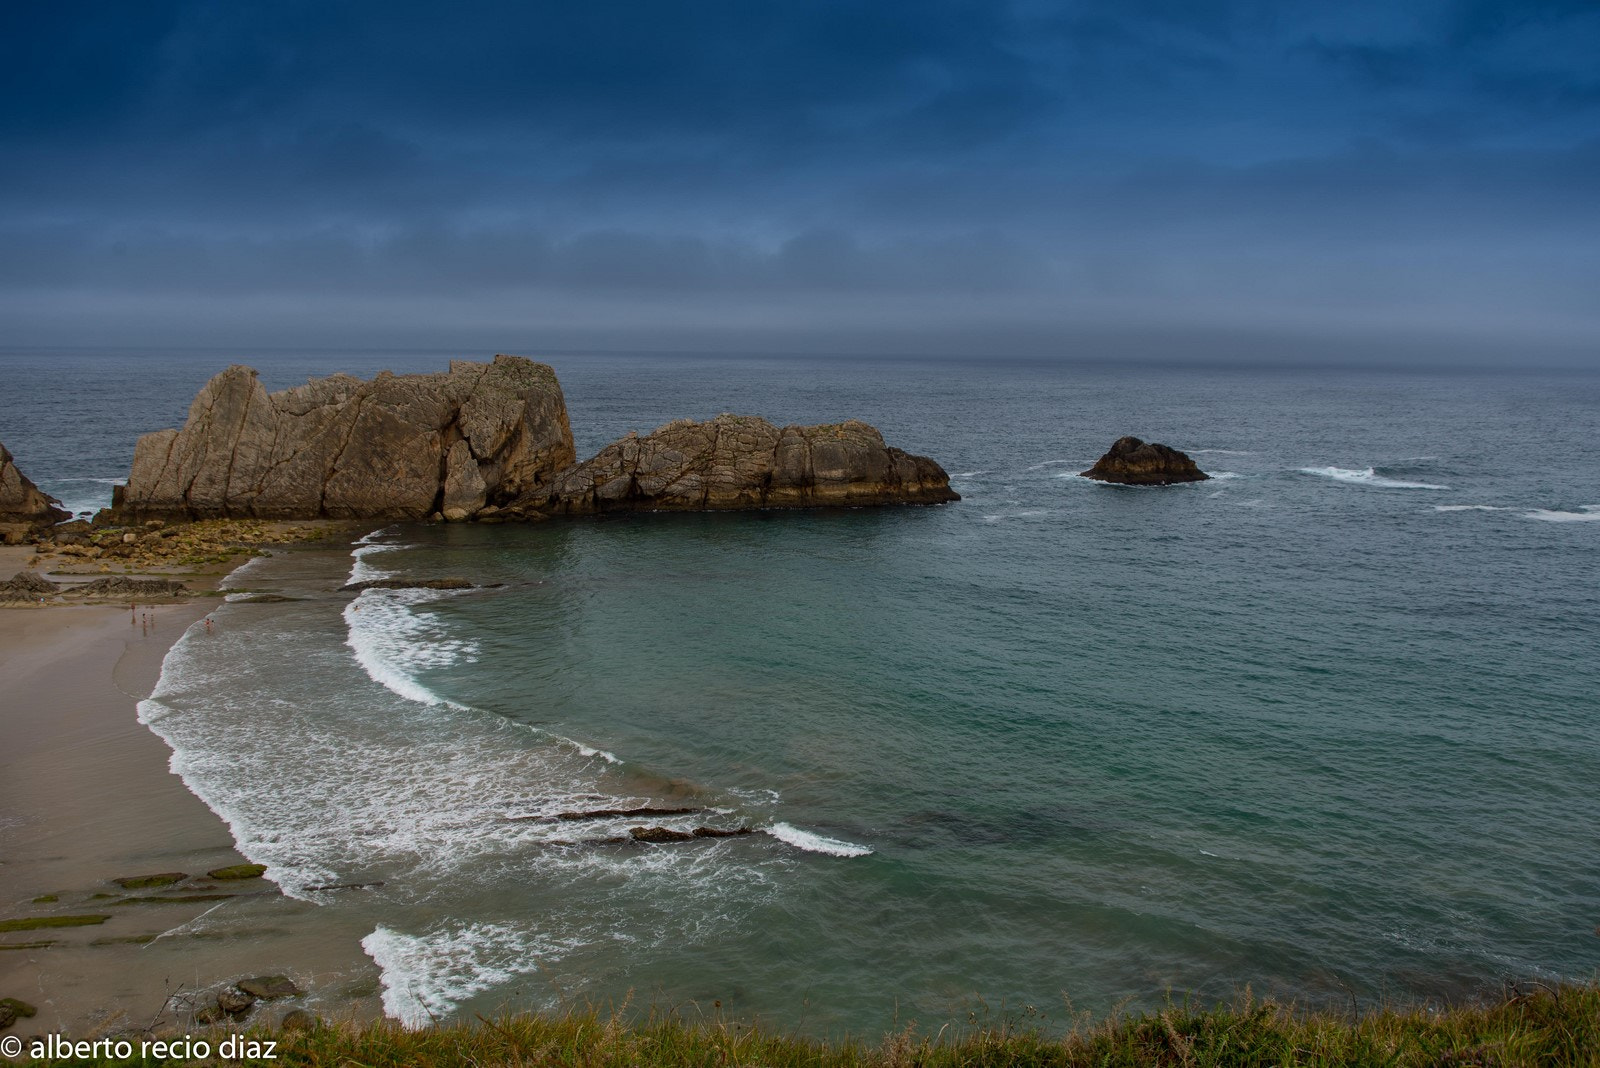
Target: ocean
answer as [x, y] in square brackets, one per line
[1326, 725]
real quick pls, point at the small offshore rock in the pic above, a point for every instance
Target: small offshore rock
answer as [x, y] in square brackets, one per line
[238, 871]
[713, 832]
[1131, 462]
[150, 882]
[269, 987]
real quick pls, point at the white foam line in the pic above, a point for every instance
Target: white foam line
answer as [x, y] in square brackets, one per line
[1588, 513]
[591, 751]
[1368, 477]
[815, 843]
[1470, 508]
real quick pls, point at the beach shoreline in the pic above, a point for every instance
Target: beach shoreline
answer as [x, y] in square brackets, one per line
[87, 796]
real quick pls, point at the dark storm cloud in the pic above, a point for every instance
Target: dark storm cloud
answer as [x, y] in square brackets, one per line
[1028, 165]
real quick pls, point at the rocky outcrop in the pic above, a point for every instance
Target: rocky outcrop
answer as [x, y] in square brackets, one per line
[26, 587]
[396, 447]
[738, 462]
[23, 506]
[1131, 462]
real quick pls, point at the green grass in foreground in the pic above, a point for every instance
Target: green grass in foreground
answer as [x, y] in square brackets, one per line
[1540, 1027]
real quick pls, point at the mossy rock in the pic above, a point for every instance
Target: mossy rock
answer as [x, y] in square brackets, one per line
[126, 940]
[35, 923]
[151, 882]
[171, 899]
[21, 1008]
[45, 899]
[239, 871]
[44, 944]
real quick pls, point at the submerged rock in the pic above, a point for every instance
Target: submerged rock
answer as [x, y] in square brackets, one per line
[299, 1020]
[410, 584]
[621, 813]
[395, 447]
[743, 462]
[238, 871]
[1131, 462]
[150, 882]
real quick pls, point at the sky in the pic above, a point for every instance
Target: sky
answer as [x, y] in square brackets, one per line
[1169, 178]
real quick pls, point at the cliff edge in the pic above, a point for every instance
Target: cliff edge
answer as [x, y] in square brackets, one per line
[23, 506]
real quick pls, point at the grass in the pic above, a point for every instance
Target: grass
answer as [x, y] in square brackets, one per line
[34, 923]
[1559, 1026]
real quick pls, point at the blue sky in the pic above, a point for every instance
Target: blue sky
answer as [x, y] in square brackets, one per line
[1155, 177]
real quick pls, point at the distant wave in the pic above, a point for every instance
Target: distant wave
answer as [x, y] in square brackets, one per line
[995, 517]
[1221, 452]
[1368, 477]
[815, 843]
[1587, 513]
[1470, 508]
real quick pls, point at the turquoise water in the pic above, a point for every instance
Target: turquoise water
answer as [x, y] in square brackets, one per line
[1326, 725]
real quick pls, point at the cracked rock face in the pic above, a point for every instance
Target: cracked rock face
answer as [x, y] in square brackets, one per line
[736, 462]
[395, 447]
[1132, 462]
[22, 504]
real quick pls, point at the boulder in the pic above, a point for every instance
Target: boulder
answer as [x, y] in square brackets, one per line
[268, 987]
[742, 462]
[23, 506]
[395, 447]
[235, 1002]
[1131, 462]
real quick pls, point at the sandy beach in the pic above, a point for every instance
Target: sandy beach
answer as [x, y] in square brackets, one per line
[86, 798]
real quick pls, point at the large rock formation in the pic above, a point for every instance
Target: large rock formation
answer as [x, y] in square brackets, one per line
[23, 506]
[397, 447]
[736, 462]
[1132, 462]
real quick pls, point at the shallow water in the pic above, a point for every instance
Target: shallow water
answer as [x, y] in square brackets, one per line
[1325, 724]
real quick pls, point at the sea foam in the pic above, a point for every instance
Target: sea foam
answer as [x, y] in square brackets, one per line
[427, 976]
[1367, 477]
[815, 843]
[1587, 513]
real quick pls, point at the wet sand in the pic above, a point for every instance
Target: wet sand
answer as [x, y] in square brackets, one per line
[86, 796]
